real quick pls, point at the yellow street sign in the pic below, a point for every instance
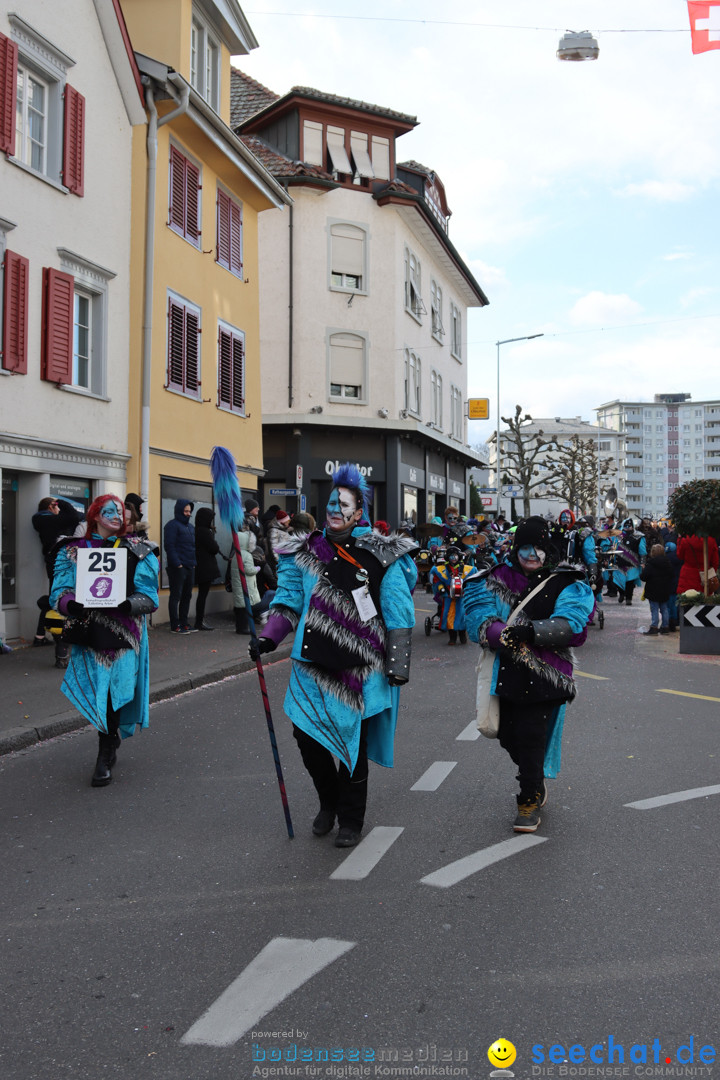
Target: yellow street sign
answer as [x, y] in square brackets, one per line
[479, 408]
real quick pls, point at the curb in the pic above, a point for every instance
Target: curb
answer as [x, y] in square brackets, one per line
[21, 738]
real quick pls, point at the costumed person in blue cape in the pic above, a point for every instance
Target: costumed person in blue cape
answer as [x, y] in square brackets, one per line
[532, 672]
[347, 594]
[108, 678]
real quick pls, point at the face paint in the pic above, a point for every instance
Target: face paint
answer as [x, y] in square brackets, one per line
[530, 558]
[111, 515]
[342, 510]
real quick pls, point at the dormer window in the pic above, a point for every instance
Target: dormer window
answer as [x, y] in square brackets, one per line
[205, 61]
[361, 158]
[339, 161]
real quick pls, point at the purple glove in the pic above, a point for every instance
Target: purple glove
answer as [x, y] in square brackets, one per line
[493, 633]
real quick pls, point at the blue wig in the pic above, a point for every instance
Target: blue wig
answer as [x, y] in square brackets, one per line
[349, 476]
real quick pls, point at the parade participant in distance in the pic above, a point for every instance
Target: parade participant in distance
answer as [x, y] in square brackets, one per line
[533, 668]
[347, 594]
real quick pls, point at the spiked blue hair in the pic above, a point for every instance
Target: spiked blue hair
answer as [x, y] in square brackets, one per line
[349, 476]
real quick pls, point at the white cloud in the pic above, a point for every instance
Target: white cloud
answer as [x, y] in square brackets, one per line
[675, 255]
[597, 308]
[658, 191]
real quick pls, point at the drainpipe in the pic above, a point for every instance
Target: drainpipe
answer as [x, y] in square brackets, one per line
[291, 235]
[152, 148]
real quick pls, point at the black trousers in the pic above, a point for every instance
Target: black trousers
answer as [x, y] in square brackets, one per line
[202, 594]
[338, 790]
[523, 733]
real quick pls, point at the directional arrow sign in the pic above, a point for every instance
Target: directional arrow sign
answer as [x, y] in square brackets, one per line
[512, 492]
[702, 615]
[691, 615]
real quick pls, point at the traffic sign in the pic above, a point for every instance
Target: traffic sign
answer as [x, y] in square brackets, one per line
[479, 408]
[284, 491]
[298, 476]
[512, 491]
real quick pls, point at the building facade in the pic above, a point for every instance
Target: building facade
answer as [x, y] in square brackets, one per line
[364, 302]
[70, 96]
[198, 193]
[668, 442]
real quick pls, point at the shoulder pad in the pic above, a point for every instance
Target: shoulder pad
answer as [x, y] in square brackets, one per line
[386, 549]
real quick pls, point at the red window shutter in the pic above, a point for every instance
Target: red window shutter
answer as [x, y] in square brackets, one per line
[192, 202]
[8, 93]
[238, 375]
[73, 169]
[192, 353]
[15, 313]
[57, 338]
[177, 190]
[223, 229]
[176, 346]
[236, 264]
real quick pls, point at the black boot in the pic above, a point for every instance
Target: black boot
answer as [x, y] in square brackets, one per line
[106, 758]
[242, 626]
[463, 637]
[62, 654]
[453, 637]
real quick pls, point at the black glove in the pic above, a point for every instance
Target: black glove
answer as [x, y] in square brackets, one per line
[260, 645]
[74, 608]
[396, 680]
[514, 636]
[125, 608]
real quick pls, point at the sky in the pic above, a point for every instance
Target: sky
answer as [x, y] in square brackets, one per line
[584, 196]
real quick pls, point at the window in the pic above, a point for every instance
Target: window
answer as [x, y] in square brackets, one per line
[413, 373]
[698, 427]
[413, 297]
[339, 161]
[183, 365]
[456, 412]
[698, 442]
[204, 61]
[75, 324]
[438, 331]
[184, 216]
[231, 369]
[436, 403]
[381, 157]
[347, 362]
[360, 156]
[229, 233]
[15, 313]
[313, 143]
[42, 117]
[348, 257]
[455, 331]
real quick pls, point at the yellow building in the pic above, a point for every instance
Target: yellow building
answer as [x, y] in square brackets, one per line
[197, 194]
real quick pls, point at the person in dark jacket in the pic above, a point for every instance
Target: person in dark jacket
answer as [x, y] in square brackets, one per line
[676, 564]
[54, 518]
[179, 536]
[658, 577]
[206, 570]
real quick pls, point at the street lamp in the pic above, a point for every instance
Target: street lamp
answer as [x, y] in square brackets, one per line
[507, 341]
[578, 46]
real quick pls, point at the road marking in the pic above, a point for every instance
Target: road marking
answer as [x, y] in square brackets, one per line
[673, 797]
[469, 734]
[587, 675]
[275, 973]
[427, 610]
[683, 693]
[367, 854]
[479, 860]
[434, 776]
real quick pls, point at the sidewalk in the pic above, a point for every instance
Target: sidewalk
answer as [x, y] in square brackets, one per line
[34, 709]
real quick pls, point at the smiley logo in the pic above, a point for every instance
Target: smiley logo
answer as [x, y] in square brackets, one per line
[501, 1054]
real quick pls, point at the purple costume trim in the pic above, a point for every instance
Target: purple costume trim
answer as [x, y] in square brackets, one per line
[276, 628]
[359, 629]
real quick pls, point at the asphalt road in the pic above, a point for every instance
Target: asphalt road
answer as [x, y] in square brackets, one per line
[167, 927]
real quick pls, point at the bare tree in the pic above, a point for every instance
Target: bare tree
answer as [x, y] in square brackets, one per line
[575, 471]
[520, 457]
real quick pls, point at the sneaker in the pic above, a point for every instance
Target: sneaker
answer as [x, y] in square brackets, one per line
[543, 794]
[179, 630]
[528, 815]
[38, 642]
[189, 629]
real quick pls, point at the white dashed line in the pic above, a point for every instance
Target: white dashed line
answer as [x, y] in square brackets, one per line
[673, 797]
[434, 776]
[479, 860]
[367, 854]
[470, 733]
[275, 973]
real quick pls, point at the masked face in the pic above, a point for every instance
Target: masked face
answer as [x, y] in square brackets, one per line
[564, 519]
[530, 558]
[342, 510]
[111, 516]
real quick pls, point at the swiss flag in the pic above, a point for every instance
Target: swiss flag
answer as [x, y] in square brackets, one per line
[704, 24]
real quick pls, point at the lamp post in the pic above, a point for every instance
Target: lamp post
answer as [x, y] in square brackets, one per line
[507, 341]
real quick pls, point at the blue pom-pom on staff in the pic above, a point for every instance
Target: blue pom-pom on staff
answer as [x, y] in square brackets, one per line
[230, 509]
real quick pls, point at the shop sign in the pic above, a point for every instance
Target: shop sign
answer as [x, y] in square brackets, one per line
[437, 483]
[333, 466]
